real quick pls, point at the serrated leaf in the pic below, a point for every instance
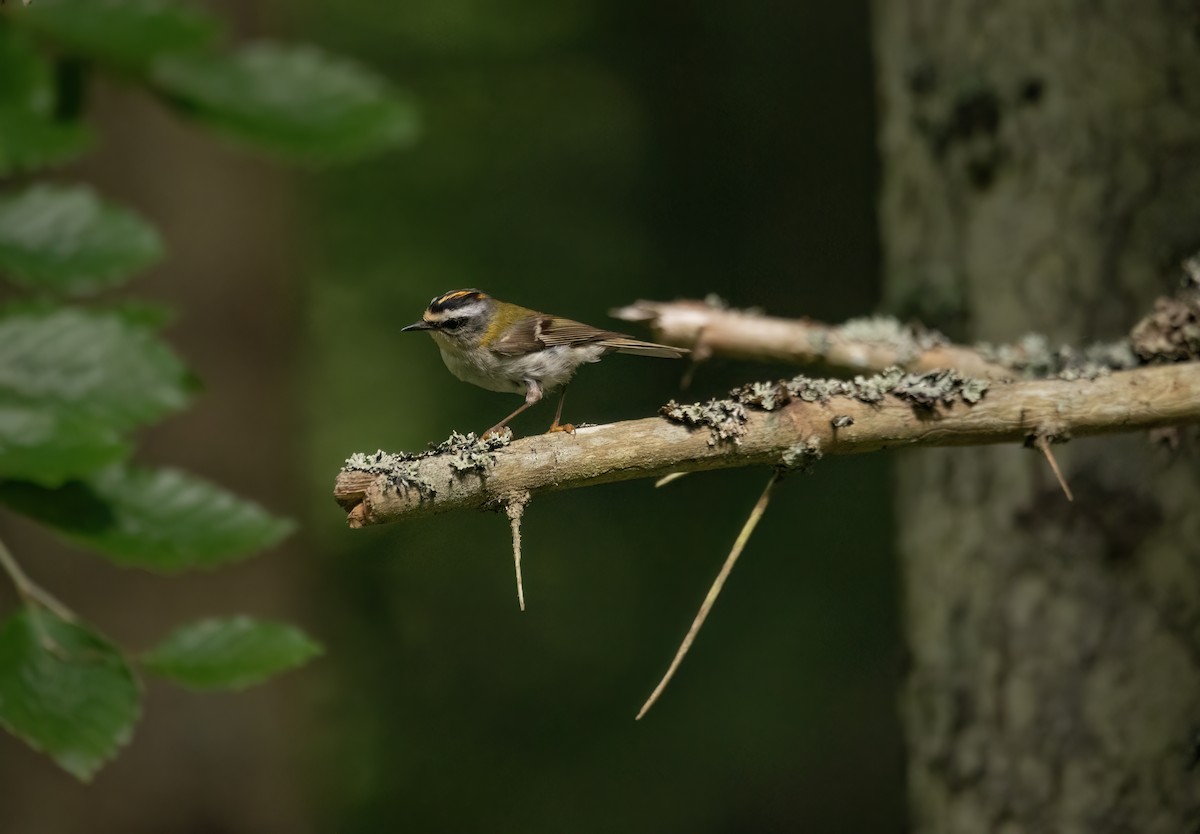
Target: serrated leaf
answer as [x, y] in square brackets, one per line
[127, 33]
[103, 365]
[67, 240]
[229, 653]
[29, 141]
[51, 446]
[73, 384]
[291, 100]
[159, 519]
[65, 690]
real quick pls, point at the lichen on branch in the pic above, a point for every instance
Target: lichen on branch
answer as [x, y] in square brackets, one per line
[764, 424]
[1170, 333]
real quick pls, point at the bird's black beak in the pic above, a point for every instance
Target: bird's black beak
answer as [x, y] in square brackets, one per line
[419, 325]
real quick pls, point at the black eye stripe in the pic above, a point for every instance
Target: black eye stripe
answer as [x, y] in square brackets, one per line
[453, 324]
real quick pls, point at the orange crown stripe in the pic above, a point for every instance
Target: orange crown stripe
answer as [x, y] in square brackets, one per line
[450, 296]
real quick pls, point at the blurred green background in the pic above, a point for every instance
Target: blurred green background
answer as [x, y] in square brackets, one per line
[576, 155]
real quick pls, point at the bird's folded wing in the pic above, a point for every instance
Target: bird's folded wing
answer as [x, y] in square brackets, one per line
[540, 332]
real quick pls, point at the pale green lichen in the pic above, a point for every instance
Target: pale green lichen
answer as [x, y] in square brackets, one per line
[398, 469]
[819, 341]
[1032, 358]
[765, 395]
[939, 388]
[1171, 332]
[907, 341]
[470, 453]
[726, 418]
[944, 387]
[464, 453]
[801, 456]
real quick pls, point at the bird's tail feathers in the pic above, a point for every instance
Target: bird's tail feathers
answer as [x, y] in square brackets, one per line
[640, 348]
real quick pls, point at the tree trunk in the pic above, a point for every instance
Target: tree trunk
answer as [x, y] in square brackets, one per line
[1041, 168]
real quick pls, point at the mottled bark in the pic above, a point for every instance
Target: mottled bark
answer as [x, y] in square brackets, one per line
[1041, 166]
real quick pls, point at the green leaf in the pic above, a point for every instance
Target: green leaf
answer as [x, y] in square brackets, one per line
[102, 365]
[127, 33]
[25, 76]
[159, 519]
[30, 135]
[29, 141]
[73, 384]
[50, 446]
[229, 653]
[294, 101]
[67, 240]
[65, 690]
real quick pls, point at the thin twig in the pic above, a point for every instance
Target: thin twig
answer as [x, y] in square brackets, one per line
[29, 590]
[739, 544]
[666, 479]
[1043, 443]
[515, 506]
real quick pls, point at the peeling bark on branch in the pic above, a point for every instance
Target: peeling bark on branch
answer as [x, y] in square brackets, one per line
[472, 476]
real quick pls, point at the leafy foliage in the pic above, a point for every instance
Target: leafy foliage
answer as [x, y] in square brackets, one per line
[73, 384]
[160, 519]
[65, 690]
[229, 654]
[66, 239]
[294, 101]
[126, 33]
[76, 382]
[32, 137]
[50, 447]
[31, 141]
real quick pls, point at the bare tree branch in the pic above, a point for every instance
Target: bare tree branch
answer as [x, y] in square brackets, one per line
[865, 344]
[773, 424]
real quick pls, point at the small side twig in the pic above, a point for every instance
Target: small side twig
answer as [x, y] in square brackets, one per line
[514, 506]
[739, 545]
[667, 479]
[1043, 444]
[29, 591]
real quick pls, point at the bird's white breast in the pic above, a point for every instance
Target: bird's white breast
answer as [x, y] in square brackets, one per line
[551, 368]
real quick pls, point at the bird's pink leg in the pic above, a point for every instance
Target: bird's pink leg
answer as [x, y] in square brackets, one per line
[533, 394]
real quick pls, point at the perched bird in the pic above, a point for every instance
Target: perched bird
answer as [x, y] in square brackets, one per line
[503, 347]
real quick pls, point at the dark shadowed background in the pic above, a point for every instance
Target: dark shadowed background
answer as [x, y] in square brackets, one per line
[576, 155]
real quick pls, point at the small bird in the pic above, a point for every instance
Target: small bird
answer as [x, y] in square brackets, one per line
[503, 347]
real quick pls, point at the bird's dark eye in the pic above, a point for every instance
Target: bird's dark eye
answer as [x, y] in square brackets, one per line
[453, 324]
